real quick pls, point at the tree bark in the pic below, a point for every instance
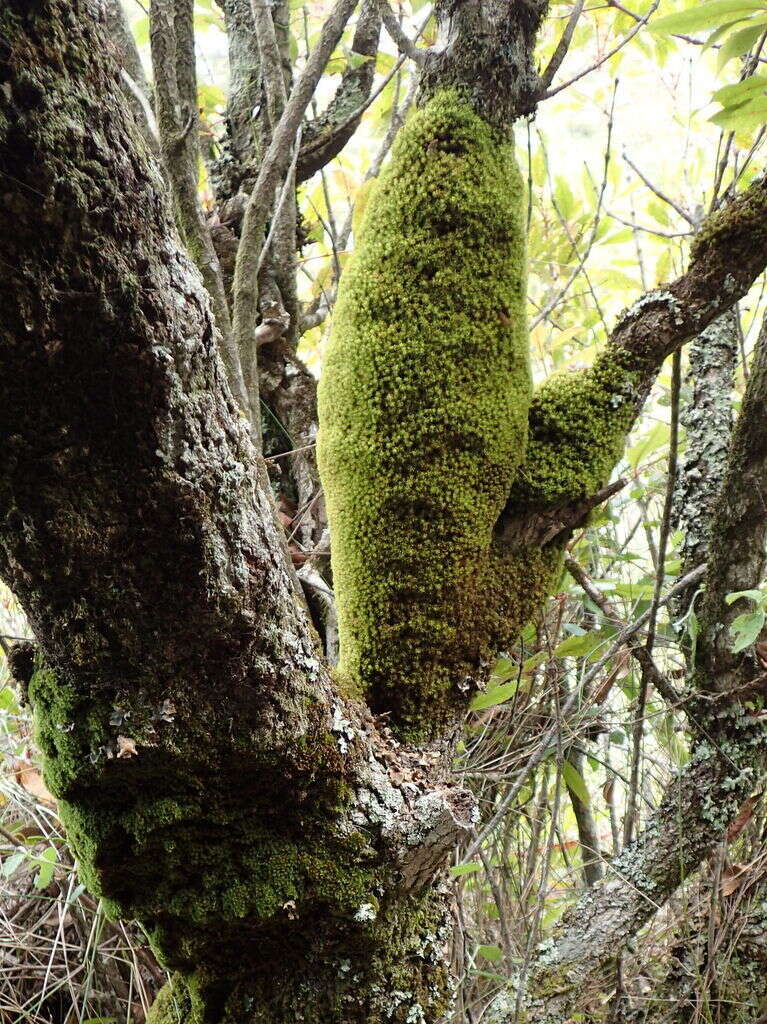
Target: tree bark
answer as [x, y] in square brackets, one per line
[212, 781]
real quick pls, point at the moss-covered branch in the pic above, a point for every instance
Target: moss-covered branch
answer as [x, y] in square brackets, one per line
[423, 410]
[579, 421]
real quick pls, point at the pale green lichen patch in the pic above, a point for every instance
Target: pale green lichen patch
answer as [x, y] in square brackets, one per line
[423, 410]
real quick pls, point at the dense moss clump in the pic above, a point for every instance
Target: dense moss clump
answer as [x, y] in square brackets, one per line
[423, 410]
[578, 427]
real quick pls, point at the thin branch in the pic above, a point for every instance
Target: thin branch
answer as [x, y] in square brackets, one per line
[562, 46]
[404, 43]
[662, 195]
[638, 650]
[548, 93]
[273, 168]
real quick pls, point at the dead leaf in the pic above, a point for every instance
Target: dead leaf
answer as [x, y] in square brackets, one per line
[30, 779]
[733, 876]
[608, 791]
[742, 818]
[126, 747]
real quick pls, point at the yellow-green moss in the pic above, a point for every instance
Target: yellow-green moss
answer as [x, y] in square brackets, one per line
[423, 409]
[578, 427]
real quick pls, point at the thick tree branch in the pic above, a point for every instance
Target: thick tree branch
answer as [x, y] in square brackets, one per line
[326, 135]
[579, 421]
[736, 556]
[485, 51]
[173, 60]
[211, 781]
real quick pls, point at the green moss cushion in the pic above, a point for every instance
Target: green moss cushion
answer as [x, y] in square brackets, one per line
[423, 409]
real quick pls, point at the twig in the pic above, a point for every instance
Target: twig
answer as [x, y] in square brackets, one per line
[660, 194]
[404, 43]
[562, 46]
[602, 60]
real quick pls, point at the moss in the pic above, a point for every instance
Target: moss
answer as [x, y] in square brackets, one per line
[423, 409]
[578, 427]
[179, 836]
[392, 972]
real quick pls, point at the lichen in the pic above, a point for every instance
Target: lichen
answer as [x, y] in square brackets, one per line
[423, 409]
[394, 973]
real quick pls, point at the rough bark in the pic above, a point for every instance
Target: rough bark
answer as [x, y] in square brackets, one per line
[135, 86]
[728, 255]
[173, 59]
[485, 51]
[707, 418]
[212, 782]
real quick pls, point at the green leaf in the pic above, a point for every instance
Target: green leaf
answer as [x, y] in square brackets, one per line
[705, 16]
[656, 439]
[47, 861]
[744, 117]
[10, 864]
[745, 629]
[465, 869]
[721, 32]
[747, 89]
[494, 696]
[492, 953]
[582, 646]
[753, 595]
[739, 43]
[574, 781]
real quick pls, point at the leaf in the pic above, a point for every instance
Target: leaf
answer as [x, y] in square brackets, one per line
[126, 747]
[745, 629]
[30, 779]
[739, 43]
[494, 696]
[471, 868]
[753, 595]
[656, 439]
[744, 90]
[733, 877]
[744, 117]
[608, 791]
[705, 16]
[10, 864]
[582, 646]
[492, 953]
[574, 781]
[47, 861]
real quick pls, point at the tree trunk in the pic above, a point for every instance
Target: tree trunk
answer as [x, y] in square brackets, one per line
[284, 851]
[211, 780]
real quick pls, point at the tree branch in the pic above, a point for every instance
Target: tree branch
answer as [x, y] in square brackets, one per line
[173, 60]
[273, 169]
[578, 421]
[325, 136]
